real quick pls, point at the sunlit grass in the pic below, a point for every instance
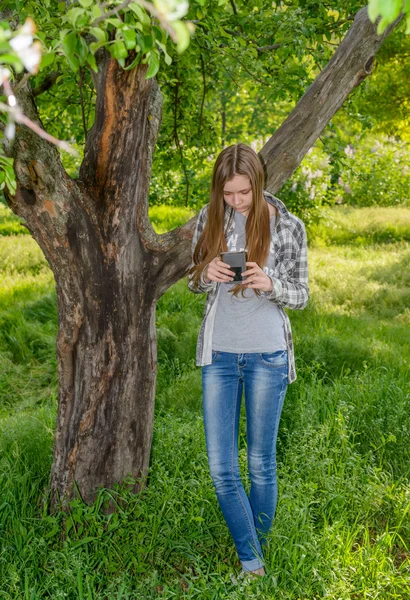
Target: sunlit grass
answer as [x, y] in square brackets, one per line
[346, 224]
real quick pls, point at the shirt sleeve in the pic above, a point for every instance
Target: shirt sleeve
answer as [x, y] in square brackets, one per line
[202, 286]
[292, 290]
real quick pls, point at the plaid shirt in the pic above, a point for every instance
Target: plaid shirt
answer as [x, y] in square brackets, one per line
[286, 266]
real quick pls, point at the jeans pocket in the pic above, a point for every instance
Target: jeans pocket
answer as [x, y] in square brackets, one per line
[215, 355]
[274, 359]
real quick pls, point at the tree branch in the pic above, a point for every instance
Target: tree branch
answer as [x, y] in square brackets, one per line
[350, 64]
[46, 84]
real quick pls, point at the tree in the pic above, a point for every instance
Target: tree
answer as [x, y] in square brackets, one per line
[111, 268]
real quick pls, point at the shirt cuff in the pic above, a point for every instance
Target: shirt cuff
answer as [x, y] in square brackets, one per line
[206, 284]
[275, 292]
[201, 277]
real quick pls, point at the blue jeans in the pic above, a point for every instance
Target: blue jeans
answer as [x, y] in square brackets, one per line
[265, 376]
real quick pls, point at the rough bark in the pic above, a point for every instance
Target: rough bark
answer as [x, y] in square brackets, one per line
[110, 266]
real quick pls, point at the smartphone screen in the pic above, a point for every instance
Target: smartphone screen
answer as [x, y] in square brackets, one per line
[236, 262]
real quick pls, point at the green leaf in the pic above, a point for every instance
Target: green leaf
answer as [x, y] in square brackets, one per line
[373, 10]
[118, 49]
[52, 532]
[96, 11]
[130, 38]
[390, 9]
[91, 61]
[68, 524]
[159, 34]
[167, 57]
[86, 3]
[182, 34]
[221, 31]
[85, 540]
[140, 13]
[82, 50]
[69, 43]
[73, 62]
[100, 34]
[10, 59]
[145, 42]
[94, 46]
[153, 65]
[115, 23]
[73, 14]
[47, 60]
[134, 63]
[381, 25]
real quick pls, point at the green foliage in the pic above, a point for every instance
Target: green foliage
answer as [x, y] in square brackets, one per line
[376, 173]
[70, 38]
[224, 88]
[368, 172]
[249, 88]
[381, 101]
[305, 192]
[7, 177]
[388, 10]
[78, 33]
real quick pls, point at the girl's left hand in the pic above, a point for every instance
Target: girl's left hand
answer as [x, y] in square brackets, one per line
[257, 278]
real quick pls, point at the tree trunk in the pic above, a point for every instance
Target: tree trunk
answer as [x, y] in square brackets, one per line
[111, 267]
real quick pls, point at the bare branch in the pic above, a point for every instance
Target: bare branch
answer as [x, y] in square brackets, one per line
[48, 83]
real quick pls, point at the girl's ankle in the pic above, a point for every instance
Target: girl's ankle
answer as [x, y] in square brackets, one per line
[256, 573]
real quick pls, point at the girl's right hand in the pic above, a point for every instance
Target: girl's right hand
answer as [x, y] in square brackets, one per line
[217, 270]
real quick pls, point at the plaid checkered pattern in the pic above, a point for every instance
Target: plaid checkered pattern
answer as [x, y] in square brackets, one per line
[287, 266]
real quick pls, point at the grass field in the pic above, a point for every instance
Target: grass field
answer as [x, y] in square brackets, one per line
[342, 527]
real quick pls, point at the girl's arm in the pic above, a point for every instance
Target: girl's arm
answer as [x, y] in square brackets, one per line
[292, 290]
[202, 286]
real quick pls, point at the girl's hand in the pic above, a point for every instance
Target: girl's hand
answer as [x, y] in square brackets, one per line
[217, 270]
[257, 278]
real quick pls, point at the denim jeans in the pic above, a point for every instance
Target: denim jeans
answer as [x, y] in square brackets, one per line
[265, 379]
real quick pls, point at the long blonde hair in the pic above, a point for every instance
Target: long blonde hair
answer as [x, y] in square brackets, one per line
[238, 159]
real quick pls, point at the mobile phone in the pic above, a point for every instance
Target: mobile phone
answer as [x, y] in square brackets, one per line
[236, 262]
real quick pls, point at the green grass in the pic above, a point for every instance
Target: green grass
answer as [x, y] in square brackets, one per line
[10, 224]
[346, 225]
[342, 527]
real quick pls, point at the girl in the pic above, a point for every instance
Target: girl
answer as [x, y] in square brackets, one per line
[245, 341]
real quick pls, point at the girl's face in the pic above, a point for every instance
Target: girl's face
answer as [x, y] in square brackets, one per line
[238, 193]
